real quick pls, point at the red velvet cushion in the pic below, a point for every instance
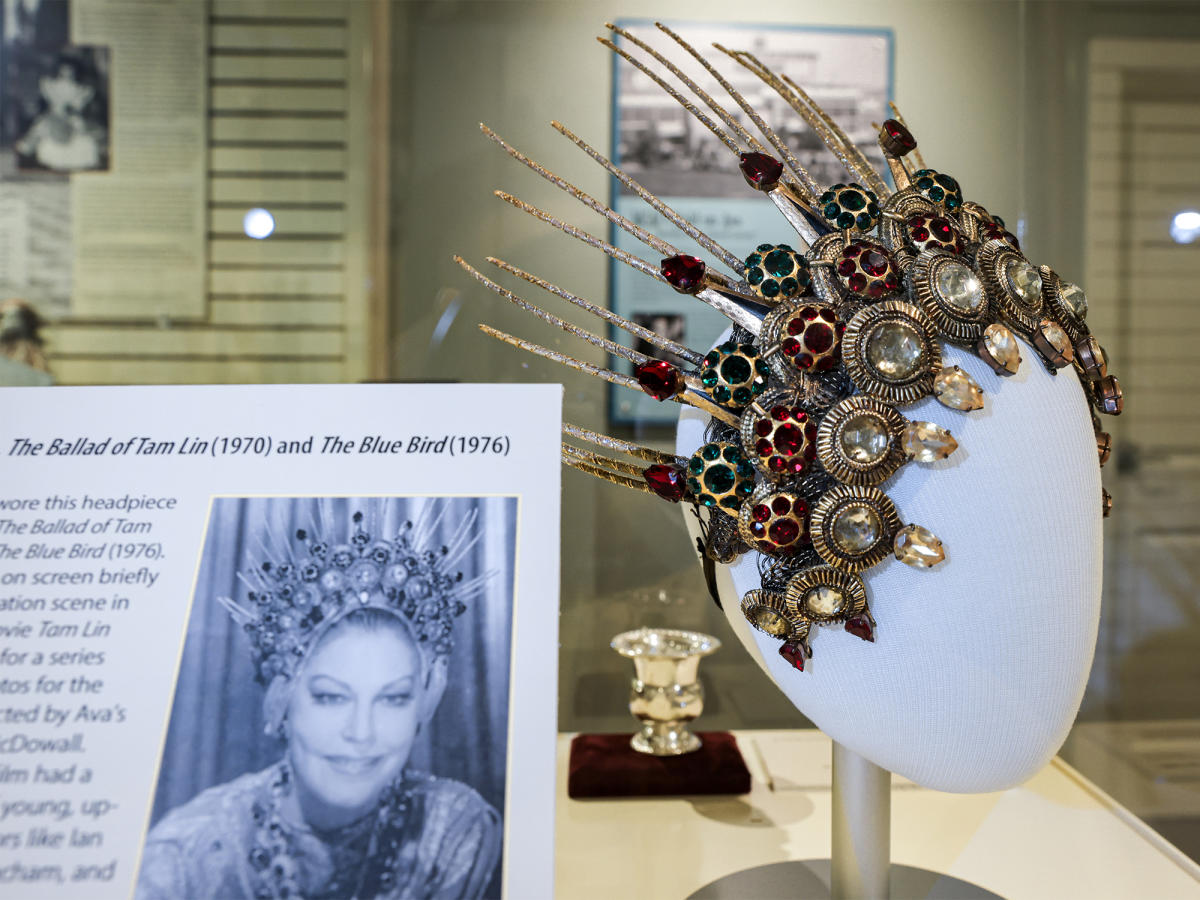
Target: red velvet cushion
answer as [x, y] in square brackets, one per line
[604, 765]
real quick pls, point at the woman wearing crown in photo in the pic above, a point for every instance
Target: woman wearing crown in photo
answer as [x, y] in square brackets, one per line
[352, 642]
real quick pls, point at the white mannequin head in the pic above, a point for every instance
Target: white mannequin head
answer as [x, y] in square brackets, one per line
[979, 664]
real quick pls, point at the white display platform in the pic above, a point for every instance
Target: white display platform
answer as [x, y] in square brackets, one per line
[1057, 836]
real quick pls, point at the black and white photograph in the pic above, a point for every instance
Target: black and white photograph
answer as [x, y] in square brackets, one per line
[670, 325]
[672, 154]
[340, 719]
[60, 110]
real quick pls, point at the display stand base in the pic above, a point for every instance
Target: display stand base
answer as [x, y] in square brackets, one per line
[604, 765]
[809, 880]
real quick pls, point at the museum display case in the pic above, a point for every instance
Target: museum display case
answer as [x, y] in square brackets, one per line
[282, 192]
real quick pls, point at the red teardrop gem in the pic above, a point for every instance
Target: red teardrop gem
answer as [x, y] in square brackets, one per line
[659, 379]
[684, 273]
[666, 481]
[761, 171]
[793, 652]
[896, 139]
[860, 627]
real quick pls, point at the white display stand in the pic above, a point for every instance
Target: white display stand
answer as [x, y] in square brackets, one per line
[1057, 835]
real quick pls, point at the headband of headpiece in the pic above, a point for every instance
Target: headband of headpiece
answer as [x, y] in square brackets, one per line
[828, 344]
[323, 574]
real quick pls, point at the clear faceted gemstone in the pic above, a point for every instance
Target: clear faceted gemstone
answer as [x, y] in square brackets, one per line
[956, 389]
[894, 350]
[1076, 300]
[766, 619]
[1025, 281]
[856, 529]
[918, 547]
[865, 438]
[926, 442]
[960, 287]
[1003, 346]
[824, 600]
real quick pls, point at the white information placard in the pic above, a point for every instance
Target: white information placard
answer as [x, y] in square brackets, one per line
[278, 641]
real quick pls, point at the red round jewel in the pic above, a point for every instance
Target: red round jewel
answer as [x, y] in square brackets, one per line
[785, 441]
[992, 231]
[933, 233]
[867, 269]
[789, 440]
[659, 379]
[816, 338]
[784, 532]
[784, 523]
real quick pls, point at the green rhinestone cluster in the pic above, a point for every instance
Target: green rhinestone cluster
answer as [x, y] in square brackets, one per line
[848, 206]
[734, 374]
[939, 188]
[777, 272]
[719, 475]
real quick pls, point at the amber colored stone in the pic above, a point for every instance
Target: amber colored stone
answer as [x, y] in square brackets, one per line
[762, 172]
[666, 481]
[895, 139]
[861, 627]
[1105, 502]
[1107, 392]
[918, 547]
[1090, 356]
[926, 442]
[684, 273]
[659, 379]
[793, 652]
[1103, 446]
[1053, 343]
[999, 349]
[956, 389]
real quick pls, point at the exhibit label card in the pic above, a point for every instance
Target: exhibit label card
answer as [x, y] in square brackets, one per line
[278, 641]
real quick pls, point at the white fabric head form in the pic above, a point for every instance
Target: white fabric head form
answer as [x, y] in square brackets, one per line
[979, 664]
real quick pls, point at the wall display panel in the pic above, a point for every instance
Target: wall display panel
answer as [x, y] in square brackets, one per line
[277, 280]
[664, 148]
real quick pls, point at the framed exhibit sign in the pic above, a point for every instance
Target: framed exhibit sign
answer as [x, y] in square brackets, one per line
[665, 149]
[278, 641]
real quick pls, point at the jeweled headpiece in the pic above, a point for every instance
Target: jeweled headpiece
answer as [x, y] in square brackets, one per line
[314, 583]
[828, 343]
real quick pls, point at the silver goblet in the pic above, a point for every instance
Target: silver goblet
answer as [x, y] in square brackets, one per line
[665, 694]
